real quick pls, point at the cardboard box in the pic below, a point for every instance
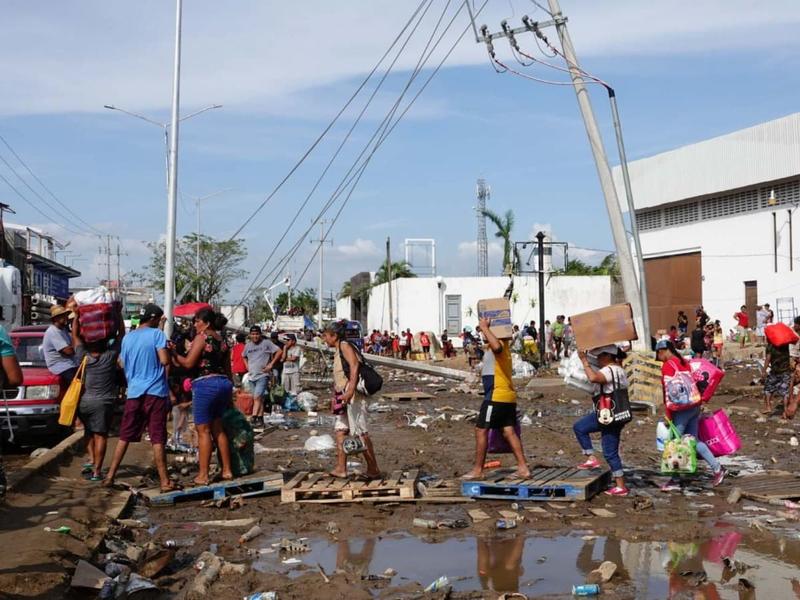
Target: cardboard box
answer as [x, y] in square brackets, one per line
[603, 326]
[498, 311]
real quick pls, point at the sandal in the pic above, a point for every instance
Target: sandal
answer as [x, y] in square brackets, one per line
[96, 478]
[337, 476]
[173, 487]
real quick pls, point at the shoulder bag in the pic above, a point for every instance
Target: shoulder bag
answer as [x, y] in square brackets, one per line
[69, 403]
[613, 408]
[369, 380]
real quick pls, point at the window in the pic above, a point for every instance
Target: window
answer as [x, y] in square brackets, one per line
[647, 220]
[680, 214]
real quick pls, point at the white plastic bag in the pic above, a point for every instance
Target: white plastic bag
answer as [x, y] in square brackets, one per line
[307, 401]
[98, 295]
[662, 435]
[319, 443]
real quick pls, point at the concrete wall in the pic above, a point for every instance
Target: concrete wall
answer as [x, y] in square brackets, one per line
[419, 304]
[734, 250]
[343, 308]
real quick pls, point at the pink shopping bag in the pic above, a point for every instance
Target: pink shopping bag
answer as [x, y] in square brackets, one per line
[718, 434]
[498, 443]
[707, 377]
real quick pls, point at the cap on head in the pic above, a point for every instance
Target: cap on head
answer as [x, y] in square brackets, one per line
[255, 329]
[58, 310]
[611, 349]
[149, 312]
[662, 344]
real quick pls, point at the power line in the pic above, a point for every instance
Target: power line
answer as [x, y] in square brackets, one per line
[381, 138]
[402, 114]
[49, 218]
[91, 228]
[328, 127]
[342, 144]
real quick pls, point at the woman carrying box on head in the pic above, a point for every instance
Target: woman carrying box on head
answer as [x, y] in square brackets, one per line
[501, 411]
[608, 379]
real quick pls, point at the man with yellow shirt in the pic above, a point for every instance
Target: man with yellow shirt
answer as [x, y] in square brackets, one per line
[501, 411]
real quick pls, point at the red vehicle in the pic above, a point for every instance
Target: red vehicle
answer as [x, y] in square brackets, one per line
[33, 410]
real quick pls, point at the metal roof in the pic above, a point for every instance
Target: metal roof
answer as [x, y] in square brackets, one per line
[766, 152]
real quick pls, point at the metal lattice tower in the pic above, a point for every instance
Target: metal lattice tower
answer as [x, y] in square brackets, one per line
[484, 193]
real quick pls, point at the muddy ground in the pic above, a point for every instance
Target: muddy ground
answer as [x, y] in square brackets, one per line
[653, 537]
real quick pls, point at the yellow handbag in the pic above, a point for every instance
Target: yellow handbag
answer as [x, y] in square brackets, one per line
[69, 403]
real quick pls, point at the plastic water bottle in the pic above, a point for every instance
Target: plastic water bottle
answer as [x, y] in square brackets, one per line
[440, 584]
[262, 596]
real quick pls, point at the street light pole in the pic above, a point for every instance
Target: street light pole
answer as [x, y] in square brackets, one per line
[197, 202]
[169, 266]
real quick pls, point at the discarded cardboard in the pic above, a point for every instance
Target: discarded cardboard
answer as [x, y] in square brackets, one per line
[88, 576]
[604, 326]
[498, 312]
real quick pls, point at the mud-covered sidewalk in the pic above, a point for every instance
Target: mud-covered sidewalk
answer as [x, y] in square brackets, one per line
[690, 543]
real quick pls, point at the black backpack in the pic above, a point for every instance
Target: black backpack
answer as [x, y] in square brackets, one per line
[369, 380]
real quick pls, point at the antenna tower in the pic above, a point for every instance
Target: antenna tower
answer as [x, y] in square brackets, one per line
[484, 193]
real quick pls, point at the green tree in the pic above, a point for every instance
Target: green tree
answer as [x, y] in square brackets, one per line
[400, 270]
[219, 266]
[304, 302]
[347, 289]
[576, 266]
[505, 225]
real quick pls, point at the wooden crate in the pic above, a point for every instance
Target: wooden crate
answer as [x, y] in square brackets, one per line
[545, 484]
[321, 487]
[644, 380]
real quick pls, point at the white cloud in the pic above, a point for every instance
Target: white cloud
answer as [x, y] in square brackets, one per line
[258, 55]
[470, 249]
[359, 249]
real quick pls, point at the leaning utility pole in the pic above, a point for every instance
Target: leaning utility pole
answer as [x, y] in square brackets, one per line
[625, 258]
[321, 241]
[172, 200]
[542, 341]
[389, 281]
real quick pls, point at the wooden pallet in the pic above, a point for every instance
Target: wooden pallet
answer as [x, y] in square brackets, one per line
[258, 484]
[563, 484]
[644, 380]
[321, 487]
[770, 486]
[407, 396]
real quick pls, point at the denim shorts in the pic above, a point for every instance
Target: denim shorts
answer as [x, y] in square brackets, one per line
[211, 396]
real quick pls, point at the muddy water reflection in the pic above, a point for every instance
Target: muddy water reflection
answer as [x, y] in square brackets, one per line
[550, 566]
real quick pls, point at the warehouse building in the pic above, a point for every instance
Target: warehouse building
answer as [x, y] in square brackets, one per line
[716, 222]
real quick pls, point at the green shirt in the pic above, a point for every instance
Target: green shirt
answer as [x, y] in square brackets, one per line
[778, 359]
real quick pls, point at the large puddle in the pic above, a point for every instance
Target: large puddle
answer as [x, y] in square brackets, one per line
[551, 566]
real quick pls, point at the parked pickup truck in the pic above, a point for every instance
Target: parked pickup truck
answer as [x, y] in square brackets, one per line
[32, 409]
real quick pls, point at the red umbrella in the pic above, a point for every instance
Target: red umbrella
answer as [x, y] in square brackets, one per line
[189, 310]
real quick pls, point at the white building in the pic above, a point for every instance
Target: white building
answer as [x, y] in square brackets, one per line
[450, 303]
[715, 221]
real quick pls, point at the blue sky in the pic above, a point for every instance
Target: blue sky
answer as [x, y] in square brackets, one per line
[682, 73]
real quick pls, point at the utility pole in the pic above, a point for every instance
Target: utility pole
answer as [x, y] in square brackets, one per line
[108, 260]
[389, 281]
[289, 288]
[626, 266]
[172, 200]
[321, 241]
[540, 248]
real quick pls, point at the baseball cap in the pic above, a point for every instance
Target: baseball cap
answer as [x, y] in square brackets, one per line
[149, 312]
[662, 344]
[611, 349]
[255, 329]
[291, 336]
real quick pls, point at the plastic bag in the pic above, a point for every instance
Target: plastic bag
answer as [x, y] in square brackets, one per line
[662, 435]
[780, 334]
[307, 401]
[718, 433]
[319, 443]
[681, 391]
[98, 295]
[707, 376]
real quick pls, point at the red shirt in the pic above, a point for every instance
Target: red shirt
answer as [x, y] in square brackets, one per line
[237, 362]
[424, 340]
[743, 319]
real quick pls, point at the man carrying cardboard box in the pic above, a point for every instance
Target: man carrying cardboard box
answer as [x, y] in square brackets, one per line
[501, 411]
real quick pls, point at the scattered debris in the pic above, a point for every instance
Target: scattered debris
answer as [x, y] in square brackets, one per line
[602, 513]
[734, 496]
[441, 583]
[603, 573]
[252, 533]
[293, 546]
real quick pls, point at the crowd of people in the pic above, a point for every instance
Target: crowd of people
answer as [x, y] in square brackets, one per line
[200, 367]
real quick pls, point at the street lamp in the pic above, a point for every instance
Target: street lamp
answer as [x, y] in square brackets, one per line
[197, 201]
[163, 126]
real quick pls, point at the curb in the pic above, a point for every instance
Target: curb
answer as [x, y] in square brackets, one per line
[35, 466]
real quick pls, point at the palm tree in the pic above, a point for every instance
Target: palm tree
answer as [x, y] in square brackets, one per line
[400, 270]
[505, 225]
[347, 290]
